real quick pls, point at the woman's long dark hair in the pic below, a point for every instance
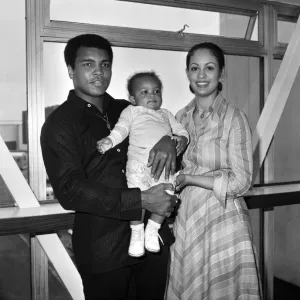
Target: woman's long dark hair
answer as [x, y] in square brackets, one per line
[215, 50]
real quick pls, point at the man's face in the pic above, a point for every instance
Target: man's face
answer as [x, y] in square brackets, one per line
[91, 74]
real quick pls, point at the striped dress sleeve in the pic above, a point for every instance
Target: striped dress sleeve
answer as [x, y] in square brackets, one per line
[236, 180]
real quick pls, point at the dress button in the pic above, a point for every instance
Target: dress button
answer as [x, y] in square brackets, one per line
[118, 150]
[89, 105]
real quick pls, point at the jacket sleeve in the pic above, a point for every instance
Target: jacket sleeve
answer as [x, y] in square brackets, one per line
[234, 181]
[74, 191]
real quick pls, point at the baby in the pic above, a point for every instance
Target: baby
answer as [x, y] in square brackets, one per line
[146, 123]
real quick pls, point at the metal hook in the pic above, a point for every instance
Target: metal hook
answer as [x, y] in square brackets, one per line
[181, 31]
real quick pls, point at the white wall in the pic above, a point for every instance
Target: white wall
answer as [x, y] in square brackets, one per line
[169, 65]
[240, 87]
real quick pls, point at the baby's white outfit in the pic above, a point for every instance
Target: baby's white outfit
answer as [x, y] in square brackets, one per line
[145, 128]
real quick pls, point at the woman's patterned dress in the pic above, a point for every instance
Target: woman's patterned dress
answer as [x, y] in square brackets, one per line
[213, 255]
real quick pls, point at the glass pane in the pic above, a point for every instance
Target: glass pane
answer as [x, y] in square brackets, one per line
[285, 30]
[236, 26]
[148, 16]
[287, 136]
[13, 82]
[6, 199]
[15, 267]
[286, 252]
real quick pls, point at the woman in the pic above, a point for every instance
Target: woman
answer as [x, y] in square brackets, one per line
[213, 256]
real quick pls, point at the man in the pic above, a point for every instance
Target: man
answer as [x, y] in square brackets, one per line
[94, 185]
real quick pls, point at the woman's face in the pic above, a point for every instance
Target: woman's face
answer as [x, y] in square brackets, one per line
[204, 73]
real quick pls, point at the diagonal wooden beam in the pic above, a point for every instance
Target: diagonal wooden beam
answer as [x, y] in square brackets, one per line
[63, 264]
[250, 27]
[51, 244]
[277, 98]
[53, 247]
[14, 179]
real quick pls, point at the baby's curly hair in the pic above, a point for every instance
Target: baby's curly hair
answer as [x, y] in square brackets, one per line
[138, 75]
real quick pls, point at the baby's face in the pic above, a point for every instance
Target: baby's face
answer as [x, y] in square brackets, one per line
[147, 93]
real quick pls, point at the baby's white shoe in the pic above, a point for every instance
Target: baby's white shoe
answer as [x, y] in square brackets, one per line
[137, 241]
[152, 236]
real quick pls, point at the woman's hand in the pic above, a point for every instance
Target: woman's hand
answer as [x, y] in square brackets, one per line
[205, 182]
[163, 156]
[181, 181]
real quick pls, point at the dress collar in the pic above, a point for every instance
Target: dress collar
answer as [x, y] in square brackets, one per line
[215, 108]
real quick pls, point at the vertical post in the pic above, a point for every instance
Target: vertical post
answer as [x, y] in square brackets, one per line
[268, 253]
[36, 109]
[39, 271]
[270, 37]
[37, 16]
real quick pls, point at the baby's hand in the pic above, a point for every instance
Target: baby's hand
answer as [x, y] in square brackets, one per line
[181, 181]
[181, 143]
[104, 145]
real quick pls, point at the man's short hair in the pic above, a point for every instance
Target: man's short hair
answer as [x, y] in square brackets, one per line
[85, 40]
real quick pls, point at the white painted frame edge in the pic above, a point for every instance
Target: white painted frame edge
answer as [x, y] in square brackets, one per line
[278, 96]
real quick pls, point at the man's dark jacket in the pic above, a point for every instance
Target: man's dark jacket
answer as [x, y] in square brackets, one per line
[92, 184]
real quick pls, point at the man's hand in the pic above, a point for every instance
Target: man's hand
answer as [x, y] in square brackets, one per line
[158, 201]
[181, 143]
[162, 155]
